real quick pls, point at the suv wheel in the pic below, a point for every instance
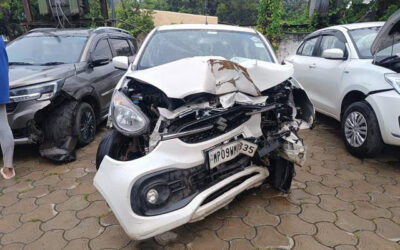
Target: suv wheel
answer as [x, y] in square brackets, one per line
[85, 123]
[360, 130]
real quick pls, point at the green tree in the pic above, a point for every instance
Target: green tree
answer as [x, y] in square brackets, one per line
[269, 20]
[132, 18]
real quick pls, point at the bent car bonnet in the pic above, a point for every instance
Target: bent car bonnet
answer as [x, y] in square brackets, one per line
[213, 75]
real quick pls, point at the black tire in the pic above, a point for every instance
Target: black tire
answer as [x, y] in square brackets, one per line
[118, 147]
[372, 142]
[85, 123]
[59, 124]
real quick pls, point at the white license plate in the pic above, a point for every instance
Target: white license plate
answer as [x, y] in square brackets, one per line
[230, 151]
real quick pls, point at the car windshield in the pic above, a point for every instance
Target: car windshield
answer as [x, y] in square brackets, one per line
[42, 50]
[363, 39]
[169, 46]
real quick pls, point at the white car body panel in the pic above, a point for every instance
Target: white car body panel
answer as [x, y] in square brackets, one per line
[328, 86]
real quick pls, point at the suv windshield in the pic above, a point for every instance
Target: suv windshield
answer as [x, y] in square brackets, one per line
[42, 50]
[169, 46]
[363, 39]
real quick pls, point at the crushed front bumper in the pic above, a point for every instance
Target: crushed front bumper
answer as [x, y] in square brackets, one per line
[115, 181]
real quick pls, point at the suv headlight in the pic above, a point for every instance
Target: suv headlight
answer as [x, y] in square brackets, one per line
[40, 92]
[394, 80]
[127, 118]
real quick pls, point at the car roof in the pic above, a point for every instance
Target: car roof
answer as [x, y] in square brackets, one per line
[206, 27]
[76, 31]
[353, 26]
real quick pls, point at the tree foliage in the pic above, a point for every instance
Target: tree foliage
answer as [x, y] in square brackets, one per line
[132, 18]
[269, 20]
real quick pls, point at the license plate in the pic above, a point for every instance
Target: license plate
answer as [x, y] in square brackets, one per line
[230, 151]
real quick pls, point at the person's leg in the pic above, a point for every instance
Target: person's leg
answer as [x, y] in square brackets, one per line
[6, 141]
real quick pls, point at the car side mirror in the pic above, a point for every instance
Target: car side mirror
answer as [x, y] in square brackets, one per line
[121, 62]
[99, 61]
[334, 54]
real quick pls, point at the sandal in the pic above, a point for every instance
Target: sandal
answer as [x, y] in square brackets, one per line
[5, 176]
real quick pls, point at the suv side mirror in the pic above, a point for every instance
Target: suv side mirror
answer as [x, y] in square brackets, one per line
[121, 62]
[335, 54]
[99, 61]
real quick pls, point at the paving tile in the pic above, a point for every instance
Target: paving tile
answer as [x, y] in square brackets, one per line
[235, 228]
[303, 176]
[9, 223]
[319, 170]
[113, 237]
[88, 228]
[349, 195]
[279, 205]
[95, 209]
[14, 246]
[312, 213]
[345, 247]
[334, 181]
[258, 216]
[370, 241]
[22, 206]
[292, 225]
[269, 237]
[306, 242]
[55, 197]
[35, 192]
[211, 222]
[64, 220]
[332, 204]
[49, 241]
[74, 173]
[316, 188]
[83, 188]
[240, 244]
[349, 175]
[393, 190]
[207, 239]
[378, 180]
[19, 187]
[108, 219]
[81, 244]
[365, 187]
[299, 196]
[67, 183]
[350, 222]
[28, 232]
[48, 180]
[42, 213]
[368, 211]
[329, 235]
[384, 200]
[396, 214]
[74, 203]
[388, 229]
[8, 199]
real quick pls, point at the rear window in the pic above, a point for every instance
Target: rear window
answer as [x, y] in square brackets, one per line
[308, 46]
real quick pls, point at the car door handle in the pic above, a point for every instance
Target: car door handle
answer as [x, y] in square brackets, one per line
[312, 66]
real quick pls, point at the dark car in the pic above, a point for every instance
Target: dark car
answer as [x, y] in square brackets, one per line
[61, 83]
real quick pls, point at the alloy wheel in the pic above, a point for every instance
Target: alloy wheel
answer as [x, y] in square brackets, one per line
[356, 129]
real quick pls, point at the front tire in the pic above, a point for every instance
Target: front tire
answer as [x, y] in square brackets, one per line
[360, 130]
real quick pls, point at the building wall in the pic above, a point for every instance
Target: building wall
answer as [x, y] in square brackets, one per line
[167, 17]
[289, 44]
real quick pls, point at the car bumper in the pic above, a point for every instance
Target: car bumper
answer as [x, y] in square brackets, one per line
[20, 116]
[115, 180]
[387, 109]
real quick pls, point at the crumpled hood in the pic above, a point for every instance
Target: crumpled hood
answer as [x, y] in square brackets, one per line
[24, 75]
[213, 75]
[385, 36]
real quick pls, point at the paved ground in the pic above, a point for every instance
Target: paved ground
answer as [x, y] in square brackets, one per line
[337, 201]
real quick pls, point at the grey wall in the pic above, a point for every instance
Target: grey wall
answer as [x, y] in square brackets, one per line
[289, 44]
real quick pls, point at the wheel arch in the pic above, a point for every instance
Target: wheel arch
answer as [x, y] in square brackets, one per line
[350, 98]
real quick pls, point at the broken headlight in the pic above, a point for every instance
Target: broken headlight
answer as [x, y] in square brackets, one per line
[40, 92]
[394, 80]
[127, 118]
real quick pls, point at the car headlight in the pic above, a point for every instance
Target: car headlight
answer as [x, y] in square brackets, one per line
[127, 117]
[394, 80]
[40, 92]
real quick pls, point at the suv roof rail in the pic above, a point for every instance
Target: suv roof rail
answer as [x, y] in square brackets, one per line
[41, 29]
[112, 29]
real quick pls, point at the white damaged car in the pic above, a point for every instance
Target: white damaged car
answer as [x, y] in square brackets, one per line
[203, 113]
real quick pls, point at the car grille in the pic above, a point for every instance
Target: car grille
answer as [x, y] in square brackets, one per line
[10, 107]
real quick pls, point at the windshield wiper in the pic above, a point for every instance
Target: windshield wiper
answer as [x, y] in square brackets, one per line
[19, 63]
[51, 63]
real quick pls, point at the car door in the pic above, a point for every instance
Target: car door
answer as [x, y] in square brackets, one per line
[303, 63]
[326, 74]
[105, 77]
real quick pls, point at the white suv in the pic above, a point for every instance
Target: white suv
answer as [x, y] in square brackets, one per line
[351, 73]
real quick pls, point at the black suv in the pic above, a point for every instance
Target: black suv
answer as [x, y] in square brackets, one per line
[61, 83]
